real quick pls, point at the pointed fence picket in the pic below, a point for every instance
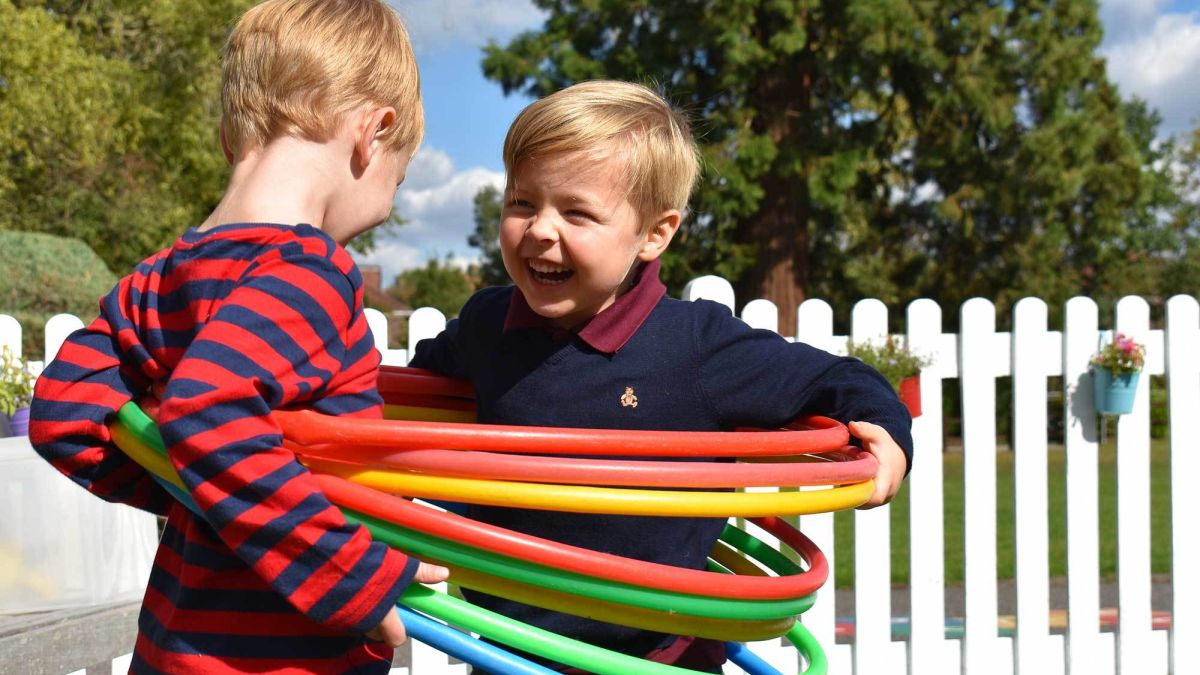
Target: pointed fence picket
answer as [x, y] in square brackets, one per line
[976, 357]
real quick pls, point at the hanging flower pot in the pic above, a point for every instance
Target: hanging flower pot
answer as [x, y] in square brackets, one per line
[1115, 371]
[910, 394]
[1114, 394]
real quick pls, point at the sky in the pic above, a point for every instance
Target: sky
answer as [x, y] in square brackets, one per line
[1152, 48]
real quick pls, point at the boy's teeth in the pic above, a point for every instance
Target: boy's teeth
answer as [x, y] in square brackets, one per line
[546, 267]
[548, 273]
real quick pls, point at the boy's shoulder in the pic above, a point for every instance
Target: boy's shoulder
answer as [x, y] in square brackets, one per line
[488, 306]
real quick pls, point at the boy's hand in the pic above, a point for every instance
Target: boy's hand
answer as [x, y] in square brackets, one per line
[391, 629]
[892, 463]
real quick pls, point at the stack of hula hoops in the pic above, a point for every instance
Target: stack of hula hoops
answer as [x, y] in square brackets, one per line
[402, 476]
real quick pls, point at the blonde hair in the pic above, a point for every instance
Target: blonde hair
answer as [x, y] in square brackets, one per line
[295, 67]
[662, 161]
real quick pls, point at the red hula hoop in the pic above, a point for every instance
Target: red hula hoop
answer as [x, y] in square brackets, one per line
[583, 561]
[398, 380]
[859, 466]
[428, 401]
[309, 428]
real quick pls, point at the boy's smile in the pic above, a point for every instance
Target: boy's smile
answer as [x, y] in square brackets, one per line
[569, 235]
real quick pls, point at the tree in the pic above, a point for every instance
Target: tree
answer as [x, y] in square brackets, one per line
[885, 148]
[438, 284]
[486, 237]
[109, 112]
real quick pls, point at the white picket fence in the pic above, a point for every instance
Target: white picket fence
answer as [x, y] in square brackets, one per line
[976, 357]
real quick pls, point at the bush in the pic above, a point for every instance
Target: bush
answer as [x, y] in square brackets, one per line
[44, 275]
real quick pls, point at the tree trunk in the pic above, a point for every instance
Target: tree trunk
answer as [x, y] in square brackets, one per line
[780, 229]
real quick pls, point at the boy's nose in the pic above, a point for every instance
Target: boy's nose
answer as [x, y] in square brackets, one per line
[542, 227]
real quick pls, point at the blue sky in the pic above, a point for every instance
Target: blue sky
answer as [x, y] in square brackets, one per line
[1152, 48]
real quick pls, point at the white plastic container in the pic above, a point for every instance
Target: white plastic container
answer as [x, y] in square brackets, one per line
[61, 547]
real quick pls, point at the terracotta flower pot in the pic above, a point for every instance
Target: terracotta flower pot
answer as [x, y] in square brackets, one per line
[910, 394]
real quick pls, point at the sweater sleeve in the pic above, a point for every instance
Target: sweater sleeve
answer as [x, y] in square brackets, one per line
[74, 399]
[756, 377]
[277, 341]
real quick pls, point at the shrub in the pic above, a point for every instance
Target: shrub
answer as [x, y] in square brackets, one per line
[44, 275]
[891, 358]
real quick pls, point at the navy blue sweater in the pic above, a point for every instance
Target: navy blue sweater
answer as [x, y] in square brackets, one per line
[693, 367]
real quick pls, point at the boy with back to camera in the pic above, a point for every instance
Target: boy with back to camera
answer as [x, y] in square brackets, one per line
[259, 308]
[598, 177]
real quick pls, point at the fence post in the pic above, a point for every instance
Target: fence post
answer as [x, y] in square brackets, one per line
[1183, 382]
[1030, 354]
[977, 378]
[872, 549]
[709, 287]
[426, 322]
[1133, 506]
[1088, 651]
[814, 326]
[10, 334]
[928, 651]
[761, 314]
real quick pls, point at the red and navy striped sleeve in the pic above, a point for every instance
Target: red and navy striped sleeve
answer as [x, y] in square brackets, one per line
[74, 399]
[280, 339]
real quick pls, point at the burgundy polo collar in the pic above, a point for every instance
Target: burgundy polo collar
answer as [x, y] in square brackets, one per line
[609, 330]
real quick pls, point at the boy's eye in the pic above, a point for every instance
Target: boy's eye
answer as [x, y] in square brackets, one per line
[576, 214]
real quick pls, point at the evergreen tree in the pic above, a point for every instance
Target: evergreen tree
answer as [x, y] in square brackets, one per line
[486, 237]
[885, 148]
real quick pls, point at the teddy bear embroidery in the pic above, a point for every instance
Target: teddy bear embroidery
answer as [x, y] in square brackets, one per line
[628, 399]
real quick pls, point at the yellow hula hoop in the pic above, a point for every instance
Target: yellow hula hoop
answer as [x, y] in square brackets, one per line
[615, 501]
[393, 411]
[733, 561]
[141, 453]
[738, 630]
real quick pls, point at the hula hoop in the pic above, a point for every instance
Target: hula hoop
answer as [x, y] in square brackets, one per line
[747, 660]
[396, 380]
[542, 643]
[613, 501]
[427, 414]
[624, 615]
[607, 472]
[454, 553]
[564, 650]
[310, 428]
[792, 583]
[466, 648]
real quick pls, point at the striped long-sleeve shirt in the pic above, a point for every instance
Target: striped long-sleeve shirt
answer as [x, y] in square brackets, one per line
[220, 329]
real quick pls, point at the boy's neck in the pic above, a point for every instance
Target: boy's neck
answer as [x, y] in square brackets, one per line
[285, 182]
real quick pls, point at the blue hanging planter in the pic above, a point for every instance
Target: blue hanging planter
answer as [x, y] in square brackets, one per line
[1114, 394]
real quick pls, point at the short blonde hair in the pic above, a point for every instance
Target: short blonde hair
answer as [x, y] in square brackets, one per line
[295, 67]
[662, 160]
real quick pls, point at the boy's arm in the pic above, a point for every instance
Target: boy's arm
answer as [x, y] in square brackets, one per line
[756, 377]
[440, 353]
[281, 339]
[74, 398]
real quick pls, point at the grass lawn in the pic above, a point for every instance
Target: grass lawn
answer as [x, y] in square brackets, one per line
[952, 463]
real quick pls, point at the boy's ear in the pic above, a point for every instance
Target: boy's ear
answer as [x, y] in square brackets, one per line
[660, 234]
[229, 155]
[373, 123]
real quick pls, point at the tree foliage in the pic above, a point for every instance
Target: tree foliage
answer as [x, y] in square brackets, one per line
[878, 148]
[439, 284]
[109, 113]
[486, 237]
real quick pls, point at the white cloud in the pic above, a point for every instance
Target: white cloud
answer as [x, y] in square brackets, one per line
[438, 203]
[439, 24]
[1156, 58]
